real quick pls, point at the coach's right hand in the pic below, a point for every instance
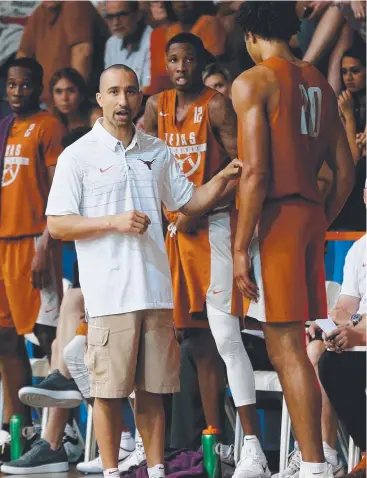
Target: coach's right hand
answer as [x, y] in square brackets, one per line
[130, 222]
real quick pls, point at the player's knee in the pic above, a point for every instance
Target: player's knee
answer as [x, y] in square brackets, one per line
[229, 343]
[9, 342]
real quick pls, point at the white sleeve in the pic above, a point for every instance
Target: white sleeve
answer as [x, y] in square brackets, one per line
[66, 190]
[350, 276]
[177, 189]
[107, 60]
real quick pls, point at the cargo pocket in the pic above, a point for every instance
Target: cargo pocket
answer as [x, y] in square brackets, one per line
[96, 354]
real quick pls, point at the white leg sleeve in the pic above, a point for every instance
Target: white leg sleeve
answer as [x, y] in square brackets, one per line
[227, 335]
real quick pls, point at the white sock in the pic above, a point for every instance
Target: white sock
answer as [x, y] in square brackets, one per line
[111, 473]
[253, 442]
[331, 455]
[156, 471]
[127, 441]
[314, 468]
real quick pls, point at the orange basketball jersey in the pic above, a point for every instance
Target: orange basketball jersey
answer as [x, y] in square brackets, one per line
[198, 261]
[33, 144]
[297, 147]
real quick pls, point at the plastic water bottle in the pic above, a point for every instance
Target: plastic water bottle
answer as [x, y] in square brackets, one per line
[211, 459]
[17, 440]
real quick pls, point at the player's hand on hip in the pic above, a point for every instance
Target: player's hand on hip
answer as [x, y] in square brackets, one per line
[41, 266]
[131, 222]
[242, 274]
[232, 171]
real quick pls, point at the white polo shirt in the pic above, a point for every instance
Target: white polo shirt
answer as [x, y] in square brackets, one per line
[355, 271]
[96, 177]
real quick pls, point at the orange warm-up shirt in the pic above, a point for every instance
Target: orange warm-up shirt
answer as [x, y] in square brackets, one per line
[200, 157]
[33, 145]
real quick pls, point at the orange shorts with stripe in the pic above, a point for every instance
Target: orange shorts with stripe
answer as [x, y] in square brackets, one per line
[202, 271]
[288, 262]
[21, 306]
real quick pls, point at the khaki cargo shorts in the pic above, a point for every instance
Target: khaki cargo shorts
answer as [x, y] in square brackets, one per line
[132, 351]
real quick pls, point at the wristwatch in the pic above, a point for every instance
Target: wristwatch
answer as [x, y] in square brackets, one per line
[355, 319]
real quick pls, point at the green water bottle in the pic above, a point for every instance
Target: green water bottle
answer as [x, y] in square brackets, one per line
[209, 440]
[16, 433]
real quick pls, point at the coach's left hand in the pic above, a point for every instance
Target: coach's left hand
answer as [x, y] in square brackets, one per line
[243, 276]
[41, 264]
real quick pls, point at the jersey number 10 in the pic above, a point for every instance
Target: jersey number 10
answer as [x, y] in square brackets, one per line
[311, 110]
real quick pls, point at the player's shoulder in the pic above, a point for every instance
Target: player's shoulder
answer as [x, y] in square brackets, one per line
[257, 82]
[47, 120]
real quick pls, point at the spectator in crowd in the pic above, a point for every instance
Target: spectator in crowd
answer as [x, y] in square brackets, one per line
[156, 14]
[334, 32]
[30, 143]
[199, 18]
[352, 110]
[63, 35]
[334, 369]
[68, 91]
[218, 78]
[130, 40]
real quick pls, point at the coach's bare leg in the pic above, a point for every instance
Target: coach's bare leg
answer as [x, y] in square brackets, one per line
[107, 415]
[286, 347]
[150, 421]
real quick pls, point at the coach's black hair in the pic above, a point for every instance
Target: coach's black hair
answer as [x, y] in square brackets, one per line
[30, 64]
[191, 39]
[269, 20]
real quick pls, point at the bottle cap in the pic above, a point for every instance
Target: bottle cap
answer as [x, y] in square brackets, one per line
[211, 431]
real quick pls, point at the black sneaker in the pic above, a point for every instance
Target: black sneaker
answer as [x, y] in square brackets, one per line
[39, 459]
[54, 391]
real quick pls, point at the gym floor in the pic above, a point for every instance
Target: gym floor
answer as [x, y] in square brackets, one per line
[71, 474]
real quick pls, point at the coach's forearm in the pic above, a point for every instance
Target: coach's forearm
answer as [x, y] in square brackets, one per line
[205, 197]
[73, 227]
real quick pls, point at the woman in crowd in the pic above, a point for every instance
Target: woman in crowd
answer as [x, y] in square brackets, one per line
[352, 110]
[218, 78]
[68, 90]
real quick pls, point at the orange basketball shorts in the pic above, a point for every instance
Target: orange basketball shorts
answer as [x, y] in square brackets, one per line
[21, 306]
[288, 262]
